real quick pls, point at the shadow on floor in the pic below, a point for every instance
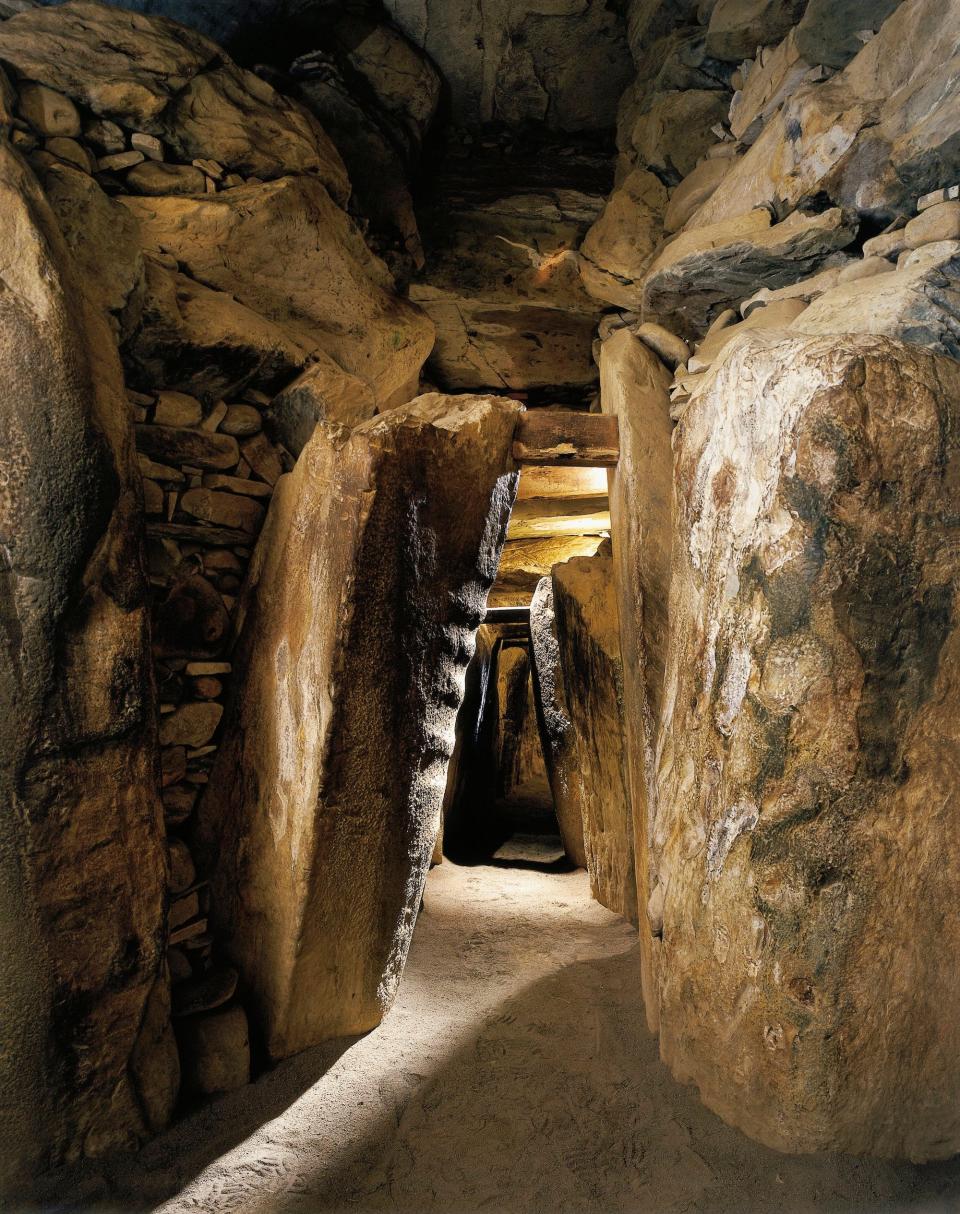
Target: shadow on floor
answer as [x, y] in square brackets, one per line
[139, 1182]
[558, 1103]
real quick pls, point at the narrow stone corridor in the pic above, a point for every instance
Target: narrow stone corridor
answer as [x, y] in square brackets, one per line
[514, 1074]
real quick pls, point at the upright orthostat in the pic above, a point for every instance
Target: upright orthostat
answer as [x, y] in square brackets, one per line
[87, 1063]
[809, 752]
[359, 619]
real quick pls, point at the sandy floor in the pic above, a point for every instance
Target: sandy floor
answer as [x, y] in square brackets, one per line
[514, 1075]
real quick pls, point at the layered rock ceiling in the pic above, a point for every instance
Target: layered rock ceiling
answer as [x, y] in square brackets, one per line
[278, 283]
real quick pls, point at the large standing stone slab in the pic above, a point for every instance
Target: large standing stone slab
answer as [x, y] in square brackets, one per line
[81, 928]
[588, 634]
[556, 727]
[357, 625]
[634, 386]
[805, 843]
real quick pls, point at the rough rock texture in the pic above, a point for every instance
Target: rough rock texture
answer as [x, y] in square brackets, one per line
[874, 137]
[204, 342]
[561, 63]
[634, 386]
[588, 636]
[81, 931]
[556, 727]
[827, 31]
[919, 303]
[809, 750]
[503, 288]
[522, 780]
[376, 95]
[322, 391]
[670, 131]
[168, 81]
[471, 773]
[619, 246]
[317, 861]
[328, 291]
[706, 269]
[738, 27]
[524, 562]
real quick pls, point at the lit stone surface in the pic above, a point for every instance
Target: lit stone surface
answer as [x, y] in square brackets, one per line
[808, 752]
[317, 860]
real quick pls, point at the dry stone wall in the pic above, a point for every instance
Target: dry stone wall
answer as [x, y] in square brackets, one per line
[87, 1062]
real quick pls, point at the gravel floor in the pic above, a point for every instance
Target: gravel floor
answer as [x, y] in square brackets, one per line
[515, 1074]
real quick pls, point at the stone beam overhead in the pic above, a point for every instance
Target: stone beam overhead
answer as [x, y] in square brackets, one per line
[564, 439]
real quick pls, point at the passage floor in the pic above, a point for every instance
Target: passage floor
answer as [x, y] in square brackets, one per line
[515, 1074]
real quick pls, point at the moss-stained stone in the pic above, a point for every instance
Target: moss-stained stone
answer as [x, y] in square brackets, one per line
[809, 749]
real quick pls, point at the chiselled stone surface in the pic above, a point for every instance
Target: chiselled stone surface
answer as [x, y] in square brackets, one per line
[327, 291]
[556, 727]
[359, 599]
[588, 638]
[81, 929]
[634, 386]
[808, 748]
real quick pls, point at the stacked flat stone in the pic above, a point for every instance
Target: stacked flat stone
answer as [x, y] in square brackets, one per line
[50, 128]
[208, 476]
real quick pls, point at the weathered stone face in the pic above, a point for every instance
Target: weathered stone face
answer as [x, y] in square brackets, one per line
[575, 636]
[556, 726]
[328, 291]
[80, 926]
[808, 750]
[633, 385]
[706, 269]
[619, 246]
[874, 137]
[357, 624]
[164, 79]
[521, 772]
[588, 635]
[559, 63]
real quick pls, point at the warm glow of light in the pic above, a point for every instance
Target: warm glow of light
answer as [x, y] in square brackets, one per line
[561, 482]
